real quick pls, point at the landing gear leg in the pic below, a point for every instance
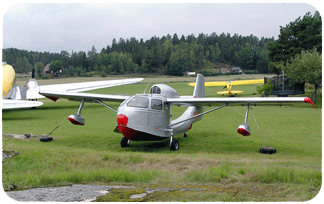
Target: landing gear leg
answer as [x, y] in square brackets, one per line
[174, 144]
[124, 142]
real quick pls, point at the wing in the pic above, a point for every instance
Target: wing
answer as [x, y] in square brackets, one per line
[213, 83]
[227, 92]
[244, 82]
[217, 83]
[87, 86]
[33, 93]
[252, 100]
[239, 82]
[86, 96]
[70, 91]
[12, 104]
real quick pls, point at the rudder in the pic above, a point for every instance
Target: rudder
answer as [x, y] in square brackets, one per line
[199, 91]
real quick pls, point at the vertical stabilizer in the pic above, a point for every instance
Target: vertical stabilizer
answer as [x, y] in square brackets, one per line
[182, 127]
[199, 91]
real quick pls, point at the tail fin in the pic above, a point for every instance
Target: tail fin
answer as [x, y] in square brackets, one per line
[199, 91]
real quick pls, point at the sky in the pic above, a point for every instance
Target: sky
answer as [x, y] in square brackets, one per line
[77, 27]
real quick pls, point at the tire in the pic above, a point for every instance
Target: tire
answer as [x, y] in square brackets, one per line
[268, 150]
[174, 145]
[124, 142]
[46, 139]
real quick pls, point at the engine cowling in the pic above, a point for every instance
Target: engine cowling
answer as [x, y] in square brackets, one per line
[76, 119]
[244, 129]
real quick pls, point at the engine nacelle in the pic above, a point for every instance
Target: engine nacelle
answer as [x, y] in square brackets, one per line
[76, 119]
[244, 129]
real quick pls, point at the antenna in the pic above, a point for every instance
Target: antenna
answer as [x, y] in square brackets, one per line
[33, 73]
[146, 87]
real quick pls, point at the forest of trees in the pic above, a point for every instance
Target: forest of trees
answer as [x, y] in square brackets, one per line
[170, 55]
[174, 55]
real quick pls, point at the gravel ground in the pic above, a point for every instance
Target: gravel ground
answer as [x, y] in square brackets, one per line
[78, 193]
[73, 193]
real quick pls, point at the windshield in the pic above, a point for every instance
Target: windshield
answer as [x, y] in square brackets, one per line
[156, 104]
[139, 102]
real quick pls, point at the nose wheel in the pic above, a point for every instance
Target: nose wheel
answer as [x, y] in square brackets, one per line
[124, 142]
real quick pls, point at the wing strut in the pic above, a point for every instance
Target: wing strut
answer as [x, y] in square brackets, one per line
[195, 116]
[102, 103]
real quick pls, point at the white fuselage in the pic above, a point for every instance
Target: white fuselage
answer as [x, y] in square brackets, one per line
[148, 116]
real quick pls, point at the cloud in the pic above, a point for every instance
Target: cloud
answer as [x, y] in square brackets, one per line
[56, 27]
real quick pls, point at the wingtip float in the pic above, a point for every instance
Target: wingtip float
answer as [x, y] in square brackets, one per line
[308, 100]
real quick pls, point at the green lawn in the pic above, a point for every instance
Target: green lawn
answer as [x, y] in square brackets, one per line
[213, 156]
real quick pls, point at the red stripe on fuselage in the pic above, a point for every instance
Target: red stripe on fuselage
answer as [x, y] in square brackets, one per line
[135, 135]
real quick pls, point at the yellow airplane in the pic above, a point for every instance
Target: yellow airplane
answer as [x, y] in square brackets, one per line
[229, 84]
[11, 92]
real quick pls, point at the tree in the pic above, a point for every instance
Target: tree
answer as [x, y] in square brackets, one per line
[302, 34]
[245, 57]
[92, 57]
[175, 39]
[155, 53]
[306, 67]
[39, 69]
[65, 58]
[55, 67]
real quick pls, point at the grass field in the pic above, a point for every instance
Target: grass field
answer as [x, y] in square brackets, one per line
[213, 156]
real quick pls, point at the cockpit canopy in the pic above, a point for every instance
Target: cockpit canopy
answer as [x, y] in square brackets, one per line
[31, 83]
[164, 90]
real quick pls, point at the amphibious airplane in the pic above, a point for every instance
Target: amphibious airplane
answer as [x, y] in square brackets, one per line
[11, 93]
[147, 117]
[228, 85]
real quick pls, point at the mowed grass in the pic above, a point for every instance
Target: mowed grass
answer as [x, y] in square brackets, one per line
[213, 156]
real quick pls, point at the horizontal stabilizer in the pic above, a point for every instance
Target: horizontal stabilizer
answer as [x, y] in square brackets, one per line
[12, 104]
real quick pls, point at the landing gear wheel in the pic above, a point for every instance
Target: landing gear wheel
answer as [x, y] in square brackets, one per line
[268, 150]
[46, 139]
[174, 145]
[185, 135]
[124, 142]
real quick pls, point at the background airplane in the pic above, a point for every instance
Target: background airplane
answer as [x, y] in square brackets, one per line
[228, 85]
[148, 117]
[12, 94]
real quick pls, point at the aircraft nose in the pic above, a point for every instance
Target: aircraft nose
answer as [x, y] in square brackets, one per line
[122, 120]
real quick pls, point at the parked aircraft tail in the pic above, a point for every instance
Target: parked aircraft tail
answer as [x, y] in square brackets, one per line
[188, 117]
[199, 91]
